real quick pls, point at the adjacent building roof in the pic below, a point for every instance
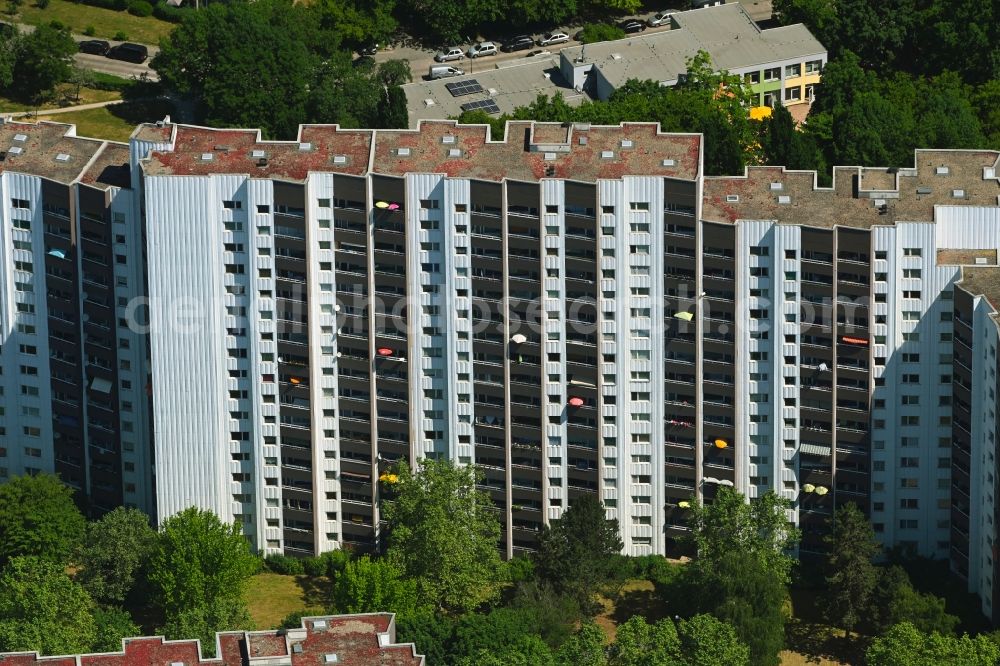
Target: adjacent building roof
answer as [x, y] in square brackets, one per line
[49, 150]
[509, 85]
[355, 640]
[726, 32]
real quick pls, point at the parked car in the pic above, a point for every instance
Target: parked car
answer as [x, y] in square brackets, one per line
[450, 53]
[368, 50]
[443, 72]
[632, 26]
[95, 46]
[659, 18]
[538, 52]
[519, 43]
[551, 38]
[130, 52]
[482, 49]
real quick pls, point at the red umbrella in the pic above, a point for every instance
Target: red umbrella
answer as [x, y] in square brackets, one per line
[576, 402]
[384, 351]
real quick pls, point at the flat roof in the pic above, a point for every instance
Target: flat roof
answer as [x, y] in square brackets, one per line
[529, 151]
[983, 282]
[110, 168]
[198, 151]
[966, 257]
[726, 32]
[510, 85]
[45, 149]
[940, 177]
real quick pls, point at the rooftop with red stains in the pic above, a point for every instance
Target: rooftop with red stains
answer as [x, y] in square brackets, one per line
[356, 640]
[529, 151]
[49, 150]
[860, 196]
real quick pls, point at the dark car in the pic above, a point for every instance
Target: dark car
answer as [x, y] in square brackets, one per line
[129, 52]
[631, 26]
[368, 50]
[95, 46]
[519, 43]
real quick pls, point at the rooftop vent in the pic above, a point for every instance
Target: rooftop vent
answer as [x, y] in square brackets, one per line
[784, 199]
[732, 198]
[616, 56]
[206, 157]
[62, 157]
[941, 170]
[776, 187]
[331, 658]
[626, 143]
[177, 663]
[492, 91]
[958, 194]
[403, 152]
[305, 145]
[981, 260]
[297, 648]
[607, 154]
[340, 159]
[15, 150]
[923, 190]
[257, 153]
[428, 102]
[319, 624]
[582, 140]
[20, 137]
[224, 149]
[549, 156]
[454, 152]
[448, 138]
[989, 172]
[669, 162]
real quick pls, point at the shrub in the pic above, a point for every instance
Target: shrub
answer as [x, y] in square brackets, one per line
[314, 566]
[140, 8]
[335, 561]
[41, 4]
[165, 12]
[90, 31]
[121, 36]
[282, 564]
[103, 81]
[600, 32]
[520, 569]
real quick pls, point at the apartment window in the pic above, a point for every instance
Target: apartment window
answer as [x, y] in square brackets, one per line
[911, 399]
[911, 273]
[911, 315]
[793, 94]
[639, 205]
[772, 74]
[814, 66]
[908, 524]
[911, 358]
[911, 293]
[793, 70]
[946, 316]
[909, 462]
[912, 251]
[752, 77]
[909, 420]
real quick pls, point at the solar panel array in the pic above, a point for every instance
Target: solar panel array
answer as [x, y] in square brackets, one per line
[460, 88]
[487, 105]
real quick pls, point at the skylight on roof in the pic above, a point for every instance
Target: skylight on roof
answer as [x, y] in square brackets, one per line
[20, 137]
[15, 150]
[305, 145]
[257, 153]
[403, 152]
[669, 162]
[62, 157]
[340, 159]
[206, 157]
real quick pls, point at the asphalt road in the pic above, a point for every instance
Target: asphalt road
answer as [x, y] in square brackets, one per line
[107, 65]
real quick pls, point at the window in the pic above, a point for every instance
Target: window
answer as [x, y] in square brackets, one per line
[752, 77]
[772, 74]
[909, 462]
[793, 70]
[20, 203]
[232, 205]
[911, 293]
[639, 205]
[814, 66]
[911, 272]
[911, 251]
[793, 94]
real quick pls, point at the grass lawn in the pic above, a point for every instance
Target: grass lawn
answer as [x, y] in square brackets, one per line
[106, 22]
[271, 597]
[65, 96]
[114, 123]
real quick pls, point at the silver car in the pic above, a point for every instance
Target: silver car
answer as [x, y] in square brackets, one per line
[659, 18]
[450, 53]
[552, 38]
[482, 49]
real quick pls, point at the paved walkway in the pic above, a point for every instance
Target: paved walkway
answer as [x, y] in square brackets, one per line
[65, 109]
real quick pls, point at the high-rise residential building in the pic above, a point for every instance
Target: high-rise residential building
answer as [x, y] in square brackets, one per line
[73, 375]
[573, 308]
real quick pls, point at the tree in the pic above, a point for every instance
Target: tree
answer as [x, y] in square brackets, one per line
[500, 629]
[638, 643]
[706, 641]
[42, 609]
[9, 46]
[584, 648]
[444, 533]
[743, 592]
[895, 601]
[600, 32]
[202, 622]
[576, 553]
[38, 517]
[359, 22]
[905, 645]
[113, 624]
[114, 554]
[372, 586]
[430, 631]
[731, 524]
[45, 59]
[198, 571]
[527, 650]
[851, 575]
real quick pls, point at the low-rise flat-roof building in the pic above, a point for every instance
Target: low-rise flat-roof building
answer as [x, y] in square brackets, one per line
[781, 64]
[346, 640]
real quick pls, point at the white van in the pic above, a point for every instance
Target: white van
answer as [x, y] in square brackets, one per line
[443, 72]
